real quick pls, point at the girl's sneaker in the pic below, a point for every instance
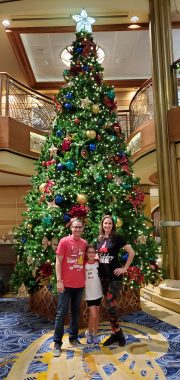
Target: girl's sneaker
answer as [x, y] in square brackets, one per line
[95, 339]
[89, 337]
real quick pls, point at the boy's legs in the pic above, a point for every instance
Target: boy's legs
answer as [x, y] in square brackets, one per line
[76, 297]
[62, 308]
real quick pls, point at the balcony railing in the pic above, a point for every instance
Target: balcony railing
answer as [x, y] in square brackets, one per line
[141, 107]
[24, 104]
[176, 68]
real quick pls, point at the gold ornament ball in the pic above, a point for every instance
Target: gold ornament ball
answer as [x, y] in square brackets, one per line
[91, 134]
[81, 199]
[119, 223]
[42, 187]
[95, 108]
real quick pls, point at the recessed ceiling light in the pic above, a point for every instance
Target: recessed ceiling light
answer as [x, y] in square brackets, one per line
[134, 26]
[134, 18]
[5, 22]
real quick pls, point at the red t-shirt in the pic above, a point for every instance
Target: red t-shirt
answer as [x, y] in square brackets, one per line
[72, 269]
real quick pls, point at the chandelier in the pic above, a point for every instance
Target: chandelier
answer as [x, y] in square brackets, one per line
[66, 55]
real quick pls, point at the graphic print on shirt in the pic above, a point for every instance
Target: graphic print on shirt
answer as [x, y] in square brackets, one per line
[104, 257]
[75, 259]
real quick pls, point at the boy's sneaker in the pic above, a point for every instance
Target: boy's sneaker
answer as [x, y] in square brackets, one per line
[76, 343]
[56, 350]
[95, 339]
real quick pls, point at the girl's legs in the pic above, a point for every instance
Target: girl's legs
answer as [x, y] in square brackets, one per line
[93, 323]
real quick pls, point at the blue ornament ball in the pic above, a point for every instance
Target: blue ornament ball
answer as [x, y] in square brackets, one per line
[59, 133]
[92, 147]
[125, 256]
[66, 218]
[79, 50]
[85, 68]
[59, 199]
[68, 106]
[69, 95]
[70, 165]
[24, 239]
[60, 167]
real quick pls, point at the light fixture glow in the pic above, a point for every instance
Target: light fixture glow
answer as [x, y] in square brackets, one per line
[66, 55]
[134, 26]
[134, 18]
[5, 23]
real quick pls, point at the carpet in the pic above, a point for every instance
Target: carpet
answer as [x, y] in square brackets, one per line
[152, 351]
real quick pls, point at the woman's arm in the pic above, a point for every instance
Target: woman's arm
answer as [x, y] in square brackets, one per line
[131, 254]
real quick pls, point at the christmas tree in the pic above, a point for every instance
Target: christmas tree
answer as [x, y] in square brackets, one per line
[84, 170]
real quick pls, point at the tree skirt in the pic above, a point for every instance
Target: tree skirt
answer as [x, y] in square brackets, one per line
[44, 303]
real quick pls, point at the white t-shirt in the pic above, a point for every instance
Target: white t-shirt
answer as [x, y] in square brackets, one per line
[93, 288]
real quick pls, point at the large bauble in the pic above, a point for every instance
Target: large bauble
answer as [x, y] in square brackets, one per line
[91, 134]
[42, 187]
[95, 108]
[81, 199]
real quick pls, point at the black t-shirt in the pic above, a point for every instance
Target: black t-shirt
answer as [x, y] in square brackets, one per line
[108, 250]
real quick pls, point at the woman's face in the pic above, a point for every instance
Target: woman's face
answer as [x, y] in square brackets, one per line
[107, 225]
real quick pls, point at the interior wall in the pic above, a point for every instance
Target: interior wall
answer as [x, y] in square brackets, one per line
[11, 207]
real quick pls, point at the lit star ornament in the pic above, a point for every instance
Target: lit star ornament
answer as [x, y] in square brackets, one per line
[85, 102]
[83, 22]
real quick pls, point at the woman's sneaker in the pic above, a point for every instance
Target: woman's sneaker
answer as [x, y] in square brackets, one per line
[118, 337]
[56, 350]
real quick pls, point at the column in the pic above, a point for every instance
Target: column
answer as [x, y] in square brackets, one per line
[168, 174]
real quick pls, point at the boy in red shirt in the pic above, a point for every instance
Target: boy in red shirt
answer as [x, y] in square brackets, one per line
[70, 276]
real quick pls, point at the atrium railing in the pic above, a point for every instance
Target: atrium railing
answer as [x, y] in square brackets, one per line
[141, 106]
[24, 104]
[176, 69]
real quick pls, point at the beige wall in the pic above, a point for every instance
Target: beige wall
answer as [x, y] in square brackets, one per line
[11, 207]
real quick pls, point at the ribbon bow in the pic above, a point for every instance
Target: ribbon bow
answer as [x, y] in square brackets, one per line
[47, 243]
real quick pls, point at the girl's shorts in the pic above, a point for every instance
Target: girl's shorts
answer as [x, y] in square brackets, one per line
[96, 302]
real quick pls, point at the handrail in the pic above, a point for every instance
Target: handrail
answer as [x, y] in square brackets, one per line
[25, 104]
[141, 106]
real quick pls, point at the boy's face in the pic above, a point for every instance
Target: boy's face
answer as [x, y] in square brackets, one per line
[91, 253]
[76, 228]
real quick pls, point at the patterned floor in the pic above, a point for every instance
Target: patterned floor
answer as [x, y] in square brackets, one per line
[152, 351]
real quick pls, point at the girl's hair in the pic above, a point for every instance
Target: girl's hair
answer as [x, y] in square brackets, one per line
[101, 229]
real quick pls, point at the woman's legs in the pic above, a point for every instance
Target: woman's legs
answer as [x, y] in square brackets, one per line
[111, 301]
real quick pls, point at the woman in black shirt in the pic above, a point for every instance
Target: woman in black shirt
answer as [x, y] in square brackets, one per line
[108, 246]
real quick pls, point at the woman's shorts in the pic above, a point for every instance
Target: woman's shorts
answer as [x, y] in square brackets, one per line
[96, 302]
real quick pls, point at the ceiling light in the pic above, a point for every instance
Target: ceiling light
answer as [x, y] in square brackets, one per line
[134, 18]
[5, 23]
[66, 55]
[134, 26]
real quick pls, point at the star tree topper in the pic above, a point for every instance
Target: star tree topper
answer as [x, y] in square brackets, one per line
[83, 22]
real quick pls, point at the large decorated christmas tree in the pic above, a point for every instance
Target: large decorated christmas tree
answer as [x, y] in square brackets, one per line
[84, 170]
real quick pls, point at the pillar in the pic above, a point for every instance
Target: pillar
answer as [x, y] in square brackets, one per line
[168, 174]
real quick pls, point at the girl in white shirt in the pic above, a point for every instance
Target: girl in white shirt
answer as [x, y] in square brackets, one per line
[93, 294]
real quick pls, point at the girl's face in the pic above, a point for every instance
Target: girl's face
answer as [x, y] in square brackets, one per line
[91, 254]
[107, 225]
